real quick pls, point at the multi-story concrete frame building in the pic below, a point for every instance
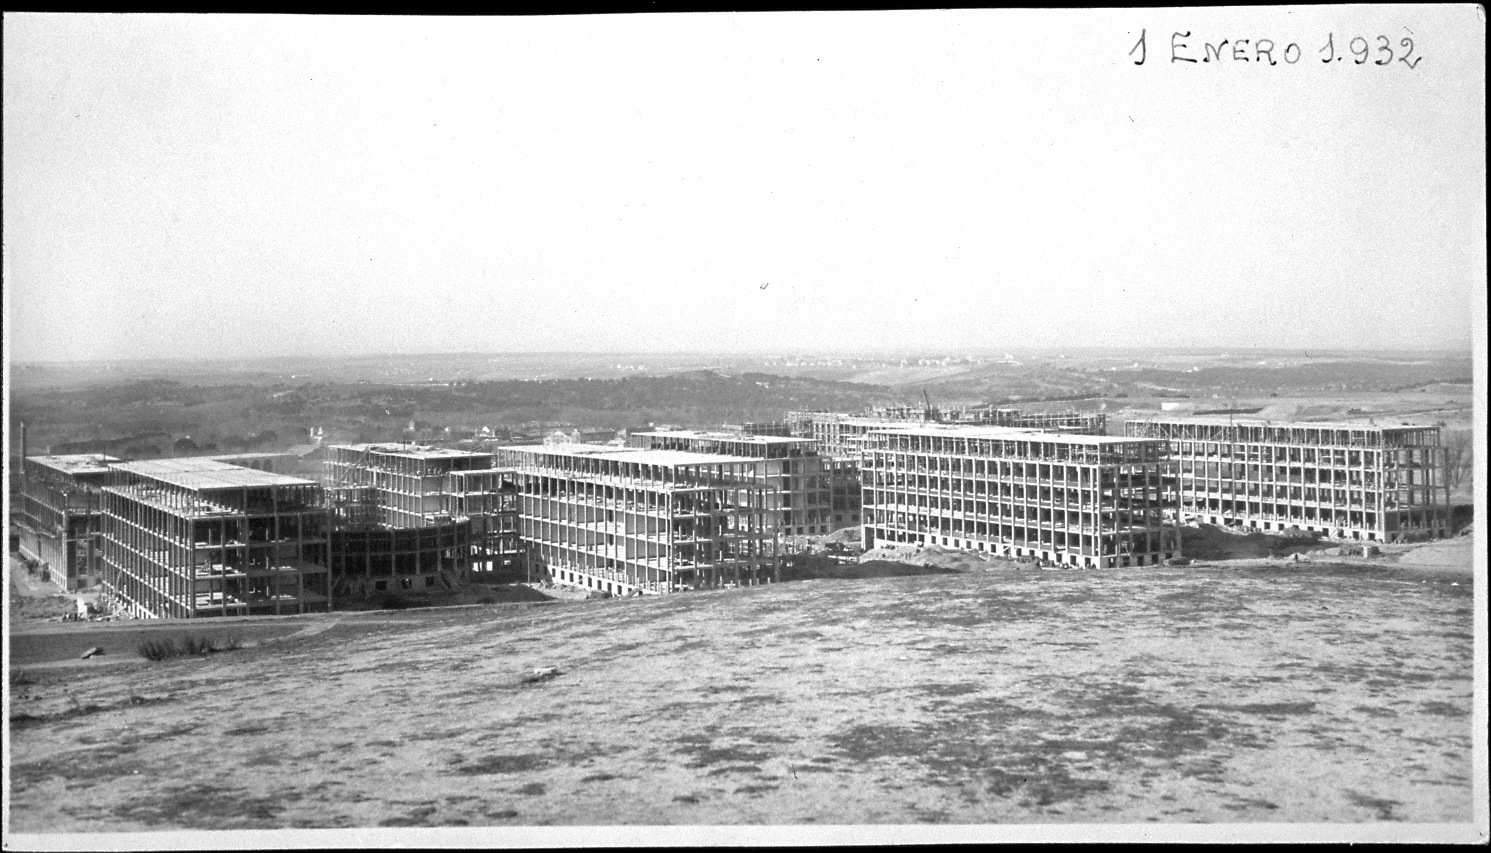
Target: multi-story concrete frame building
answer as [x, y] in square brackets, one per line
[1088, 501]
[412, 517]
[186, 538]
[1350, 481]
[61, 515]
[781, 428]
[798, 497]
[843, 436]
[624, 520]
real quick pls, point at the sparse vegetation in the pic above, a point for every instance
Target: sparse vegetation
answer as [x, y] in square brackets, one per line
[187, 645]
[1180, 694]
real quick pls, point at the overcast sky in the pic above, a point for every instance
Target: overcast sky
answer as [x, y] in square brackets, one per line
[204, 186]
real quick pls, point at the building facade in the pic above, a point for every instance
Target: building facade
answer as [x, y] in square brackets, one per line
[61, 516]
[1348, 481]
[186, 538]
[630, 520]
[844, 436]
[799, 482]
[413, 517]
[779, 428]
[1086, 501]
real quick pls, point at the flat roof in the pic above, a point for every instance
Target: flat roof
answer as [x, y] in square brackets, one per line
[721, 435]
[667, 458]
[414, 451]
[76, 463]
[475, 471]
[202, 474]
[999, 433]
[1255, 422]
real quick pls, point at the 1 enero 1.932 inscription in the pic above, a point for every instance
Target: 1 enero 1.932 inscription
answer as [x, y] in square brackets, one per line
[1362, 50]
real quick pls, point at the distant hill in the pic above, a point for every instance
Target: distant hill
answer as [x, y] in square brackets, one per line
[226, 403]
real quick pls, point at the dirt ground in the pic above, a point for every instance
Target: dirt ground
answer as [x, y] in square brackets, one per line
[936, 556]
[33, 599]
[1284, 692]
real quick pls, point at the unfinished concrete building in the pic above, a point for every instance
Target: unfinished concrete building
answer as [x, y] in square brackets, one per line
[843, 436]
[275, 462]
[799, 499]
[628, 520]
[779, 428]
[1077, 500]
[1348, 481]
[414, 518]
[61, 516]
[186, 538]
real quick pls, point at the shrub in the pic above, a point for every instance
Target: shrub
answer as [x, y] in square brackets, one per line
[187, 645]
[157, 649]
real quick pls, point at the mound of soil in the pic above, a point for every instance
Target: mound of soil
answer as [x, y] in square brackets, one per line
[40, 609]
[1457, 553]
[1209, 542]
[936, 556]
[826, 570]
[846, 536]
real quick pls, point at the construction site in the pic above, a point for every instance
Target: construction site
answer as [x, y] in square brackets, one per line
[627, 520]
[1076, 500]
[184, 538]
[413, 517]
[61, 516]
[797, 479]
[1346, 481]
[843, 436]
[688, 508]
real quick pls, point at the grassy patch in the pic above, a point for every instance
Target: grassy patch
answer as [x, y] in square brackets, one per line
[204, 807]
[494, 764]
[957, 688]
[417, 816]
[248, 729]
[755, 790]
[705, 753]
[1383, 808]
[734, 768]
[1266, 709]
[100, 763]
[22, 720]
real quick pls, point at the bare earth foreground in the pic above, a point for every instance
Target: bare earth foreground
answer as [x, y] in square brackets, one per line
[1288, 692]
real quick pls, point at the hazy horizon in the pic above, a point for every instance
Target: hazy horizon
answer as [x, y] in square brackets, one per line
[1089, 351]
[203, 187]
